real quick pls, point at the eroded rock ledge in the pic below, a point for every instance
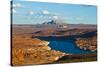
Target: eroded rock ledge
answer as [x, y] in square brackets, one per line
[87, 43]
[33, 51]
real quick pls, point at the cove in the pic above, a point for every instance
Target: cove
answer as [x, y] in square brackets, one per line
[64, 44]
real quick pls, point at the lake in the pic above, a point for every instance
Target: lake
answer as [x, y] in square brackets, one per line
[64, 44]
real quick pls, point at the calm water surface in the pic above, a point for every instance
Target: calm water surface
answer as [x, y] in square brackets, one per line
[65, 45]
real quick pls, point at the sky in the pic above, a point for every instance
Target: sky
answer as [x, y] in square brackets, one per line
[29, 12]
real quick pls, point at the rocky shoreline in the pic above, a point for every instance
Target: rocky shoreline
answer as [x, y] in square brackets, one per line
[87, 43]
[33, 51]
[28, 49]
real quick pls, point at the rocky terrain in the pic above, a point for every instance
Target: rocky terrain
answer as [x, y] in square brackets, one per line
[32, 51]
[87, 43]
[27, 49]
[51, 30]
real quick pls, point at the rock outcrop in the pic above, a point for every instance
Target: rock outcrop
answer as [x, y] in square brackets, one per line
[33, 51]
[87, 43]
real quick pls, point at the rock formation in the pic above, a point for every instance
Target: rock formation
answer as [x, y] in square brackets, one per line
[33, 51]
[87, 43]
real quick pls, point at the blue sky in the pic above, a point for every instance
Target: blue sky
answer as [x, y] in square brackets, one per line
[29, 12]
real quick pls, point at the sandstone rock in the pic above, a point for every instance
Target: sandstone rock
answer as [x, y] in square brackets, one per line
[87, 43]
[33, 51]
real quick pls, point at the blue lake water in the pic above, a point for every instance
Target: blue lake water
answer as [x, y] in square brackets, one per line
[65, 45]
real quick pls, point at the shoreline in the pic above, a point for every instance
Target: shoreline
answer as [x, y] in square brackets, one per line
[85, 38]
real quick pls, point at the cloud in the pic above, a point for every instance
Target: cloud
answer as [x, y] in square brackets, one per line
[18, 5]
[31, 13]
[55, 17]
[13, 10]
[45, 12]
[14, 6]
